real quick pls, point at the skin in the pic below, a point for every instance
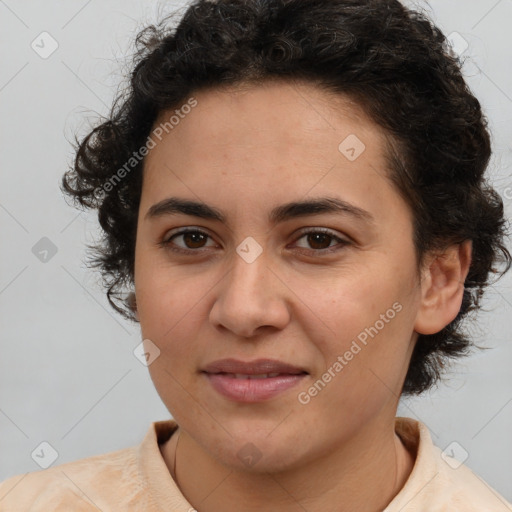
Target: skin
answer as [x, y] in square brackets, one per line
[245, 151]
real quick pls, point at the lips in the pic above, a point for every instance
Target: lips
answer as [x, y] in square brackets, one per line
[260, 368]
[252, 381]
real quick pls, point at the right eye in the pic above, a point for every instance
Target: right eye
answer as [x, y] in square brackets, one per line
[193, 239]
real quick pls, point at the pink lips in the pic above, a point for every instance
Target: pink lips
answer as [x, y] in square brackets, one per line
[230, 378]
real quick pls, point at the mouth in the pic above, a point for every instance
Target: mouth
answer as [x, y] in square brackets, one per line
[253, 381]
[260, 376]
[259, 368]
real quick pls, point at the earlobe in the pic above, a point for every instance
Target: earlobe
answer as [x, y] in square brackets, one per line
[442, 288]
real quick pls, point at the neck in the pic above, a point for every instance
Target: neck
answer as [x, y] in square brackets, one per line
[365, 474]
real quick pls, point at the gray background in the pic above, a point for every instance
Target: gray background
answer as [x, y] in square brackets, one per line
[67, 370]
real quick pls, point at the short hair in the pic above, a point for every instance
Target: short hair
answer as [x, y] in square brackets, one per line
[393, 61]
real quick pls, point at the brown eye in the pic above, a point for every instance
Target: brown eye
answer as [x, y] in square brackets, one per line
[192, 239]
[320, 240]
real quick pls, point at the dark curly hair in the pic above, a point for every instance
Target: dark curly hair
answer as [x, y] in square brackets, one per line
[392, 61]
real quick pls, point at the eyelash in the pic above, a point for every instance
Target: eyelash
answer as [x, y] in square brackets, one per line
[166, 244]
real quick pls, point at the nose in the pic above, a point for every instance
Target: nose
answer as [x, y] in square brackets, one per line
[251, 296]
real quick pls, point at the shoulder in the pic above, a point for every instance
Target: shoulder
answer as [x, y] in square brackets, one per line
[465, 489]
[439, 482]
[82, 485]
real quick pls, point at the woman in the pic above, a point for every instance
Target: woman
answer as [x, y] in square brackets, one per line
[295, 193]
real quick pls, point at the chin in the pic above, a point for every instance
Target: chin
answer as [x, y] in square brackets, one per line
[261, 458]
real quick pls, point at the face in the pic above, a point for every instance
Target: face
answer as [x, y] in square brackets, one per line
[333, 292]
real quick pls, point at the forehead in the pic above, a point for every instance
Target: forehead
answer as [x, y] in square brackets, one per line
[290, 108]
[277, 125]
[251, 152]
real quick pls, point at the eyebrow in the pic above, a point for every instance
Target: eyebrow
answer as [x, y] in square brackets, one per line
[281, 213]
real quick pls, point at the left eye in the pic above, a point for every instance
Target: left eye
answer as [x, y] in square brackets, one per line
[319, 237]
[320, 240]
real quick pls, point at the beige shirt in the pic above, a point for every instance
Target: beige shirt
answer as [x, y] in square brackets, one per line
[137, 479]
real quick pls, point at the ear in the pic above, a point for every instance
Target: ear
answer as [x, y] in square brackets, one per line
[442, 288]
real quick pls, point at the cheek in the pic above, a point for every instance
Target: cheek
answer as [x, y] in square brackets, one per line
[343, 302]
[165, 298]
[170, 314]
[364, 370]
[370, 323]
